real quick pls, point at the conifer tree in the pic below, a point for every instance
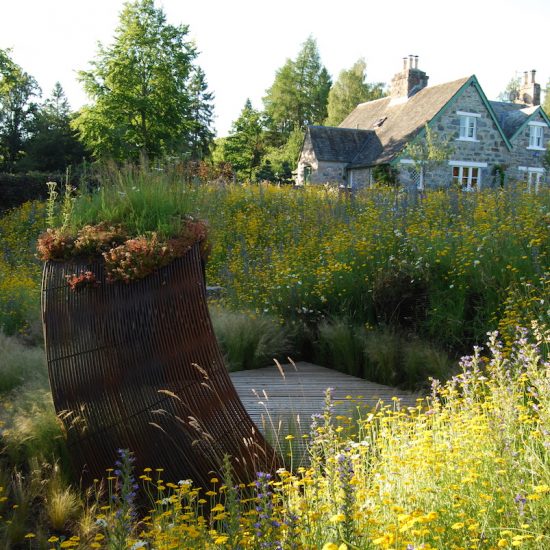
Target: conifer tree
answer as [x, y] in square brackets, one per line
[244, 148]
[299, 94]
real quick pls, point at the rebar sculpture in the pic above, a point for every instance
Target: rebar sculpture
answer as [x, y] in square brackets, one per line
[137, 366]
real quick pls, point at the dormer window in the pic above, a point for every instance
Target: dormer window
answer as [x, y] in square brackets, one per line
[536, 136]
[468, 126]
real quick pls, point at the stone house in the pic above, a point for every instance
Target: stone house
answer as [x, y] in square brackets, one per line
[490, 142]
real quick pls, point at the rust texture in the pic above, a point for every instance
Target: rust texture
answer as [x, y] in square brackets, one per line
[137, 366]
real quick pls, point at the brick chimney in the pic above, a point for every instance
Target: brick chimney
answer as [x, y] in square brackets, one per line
[410, 80]
[529, 91]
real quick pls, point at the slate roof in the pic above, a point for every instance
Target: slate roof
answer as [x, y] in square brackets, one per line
[511, 116]
[336, 144]
[395, 122]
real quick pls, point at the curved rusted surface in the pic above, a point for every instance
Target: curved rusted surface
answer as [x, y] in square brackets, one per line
[137, 366]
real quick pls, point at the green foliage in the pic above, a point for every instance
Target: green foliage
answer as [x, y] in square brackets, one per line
[308, 254]
[428, 150]
[299, 94]
[382, 355]
[469, 462]
[546, 102]
[511, 92]
[140, 200]
[53, 145]
[17, 109]
[33, 431]
[348, 91]
[245, 146]
[149, 98]
[20, 364]
[283, 159]
[249, 341]
[201, 114]
[19, 268]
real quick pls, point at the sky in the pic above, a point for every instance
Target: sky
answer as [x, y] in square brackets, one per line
[242, 43]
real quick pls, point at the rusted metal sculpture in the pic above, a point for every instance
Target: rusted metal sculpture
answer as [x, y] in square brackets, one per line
[137, 366]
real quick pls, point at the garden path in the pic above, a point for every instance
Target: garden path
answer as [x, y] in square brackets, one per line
[283, 401]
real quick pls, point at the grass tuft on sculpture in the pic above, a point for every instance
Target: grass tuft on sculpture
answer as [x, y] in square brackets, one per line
[132, 357]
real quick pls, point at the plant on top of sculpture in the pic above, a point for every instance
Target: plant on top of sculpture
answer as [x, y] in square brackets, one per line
[128, 253]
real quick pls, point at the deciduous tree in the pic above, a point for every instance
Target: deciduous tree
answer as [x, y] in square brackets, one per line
[142, 90]
[348, 91]
[17, 109]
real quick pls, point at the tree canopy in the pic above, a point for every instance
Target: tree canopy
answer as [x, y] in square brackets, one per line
[245, 146]
[511, 92]
[349, 90]
[299, 94]
[53, 145]
[17, 109]
[546, 102]
[149, 99]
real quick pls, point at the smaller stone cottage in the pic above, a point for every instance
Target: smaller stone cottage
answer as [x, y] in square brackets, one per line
[489, 141]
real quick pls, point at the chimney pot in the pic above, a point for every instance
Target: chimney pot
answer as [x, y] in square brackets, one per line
[526, 77]
[411, 57]
[533, 72]
[416, 62]
[404, 63]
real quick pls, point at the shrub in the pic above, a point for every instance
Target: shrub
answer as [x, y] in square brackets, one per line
[249, 341]
[341, 346]
[33, 431]
[382, 355]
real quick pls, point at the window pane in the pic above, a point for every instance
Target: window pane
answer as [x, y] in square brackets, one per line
[456, 173]
[463, 130]
[539, 134]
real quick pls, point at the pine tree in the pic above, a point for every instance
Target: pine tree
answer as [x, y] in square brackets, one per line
[201, 113]
[53, 145]
[244, 148]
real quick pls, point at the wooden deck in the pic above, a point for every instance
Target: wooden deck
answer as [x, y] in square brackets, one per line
[282, 402]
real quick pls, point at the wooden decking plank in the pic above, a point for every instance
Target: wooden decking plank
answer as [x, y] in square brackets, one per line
[300, 393]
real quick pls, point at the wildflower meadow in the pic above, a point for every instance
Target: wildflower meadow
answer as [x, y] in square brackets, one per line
[446, 292]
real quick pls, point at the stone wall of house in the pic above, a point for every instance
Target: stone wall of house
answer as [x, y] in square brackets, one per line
[330, 172]
[359, 178]
[489, 146]
[307, 158]
[521, 155]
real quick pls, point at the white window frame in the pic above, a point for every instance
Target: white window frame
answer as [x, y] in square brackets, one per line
[468, 124]
[536, 134]
[534, 176]
[467, 166]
